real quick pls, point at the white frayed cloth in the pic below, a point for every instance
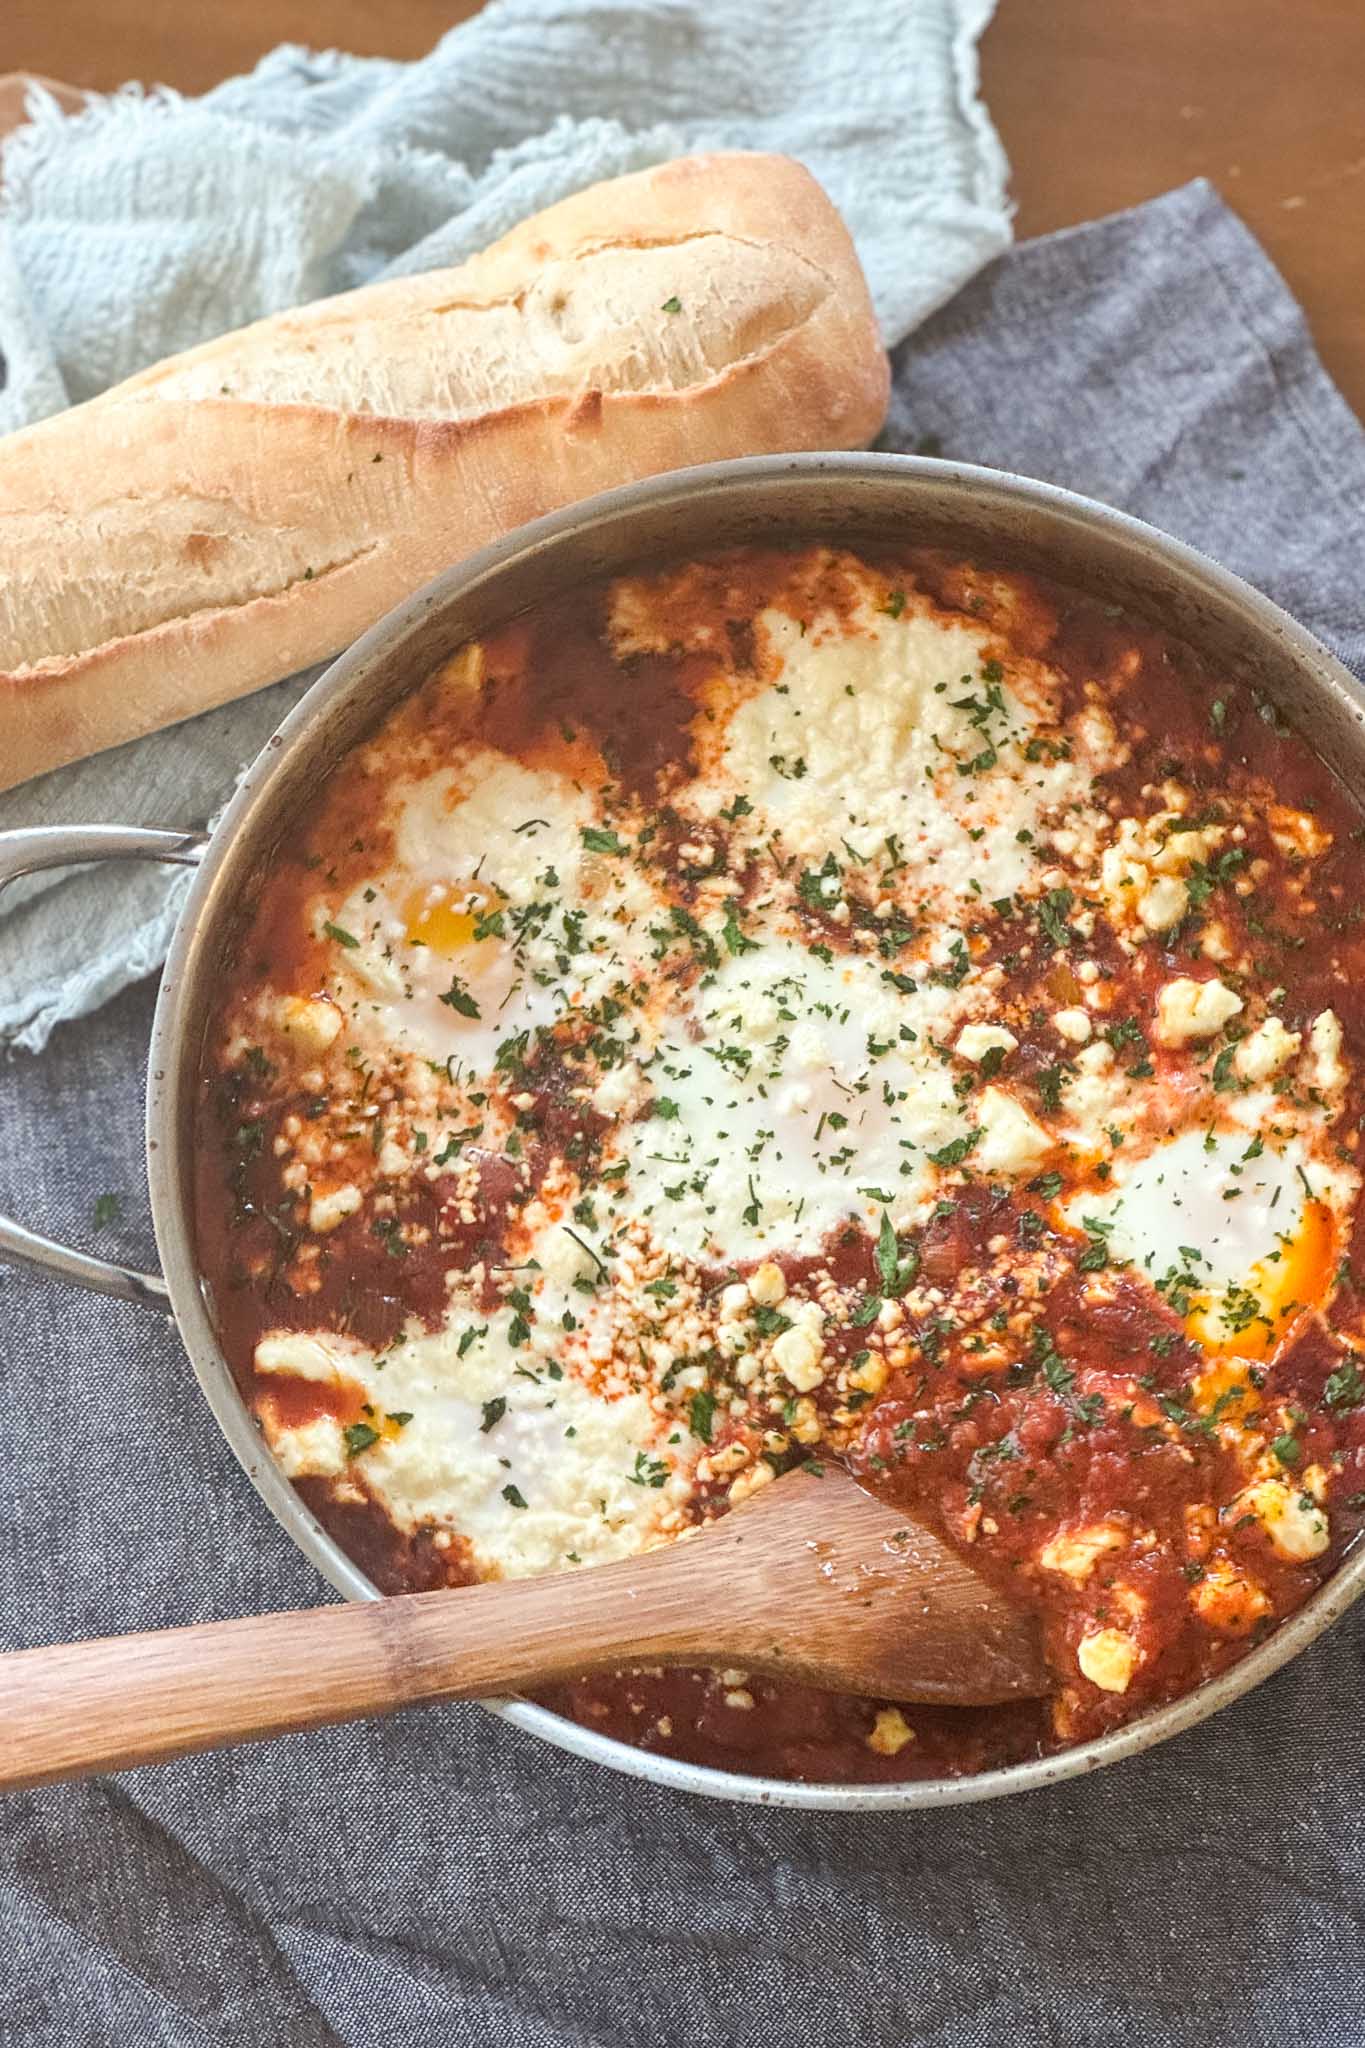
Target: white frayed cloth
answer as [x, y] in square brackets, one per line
[149, 222]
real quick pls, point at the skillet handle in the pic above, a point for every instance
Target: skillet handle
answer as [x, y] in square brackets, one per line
[24, 852]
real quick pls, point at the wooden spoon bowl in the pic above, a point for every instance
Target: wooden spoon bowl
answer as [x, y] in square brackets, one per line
[814, 1580]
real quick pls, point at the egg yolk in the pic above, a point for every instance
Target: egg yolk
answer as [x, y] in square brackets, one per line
[1249, 1322]
[1225, 1389]
[447, 923]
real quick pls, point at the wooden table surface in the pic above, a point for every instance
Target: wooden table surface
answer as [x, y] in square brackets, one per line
[1101, 103]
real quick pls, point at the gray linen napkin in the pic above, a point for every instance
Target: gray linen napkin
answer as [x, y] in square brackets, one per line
[441, 1881]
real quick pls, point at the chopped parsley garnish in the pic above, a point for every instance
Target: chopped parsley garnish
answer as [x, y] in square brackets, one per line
[955, 1152]
[1344, 1388]
[1056, 1372]
[1052, 912]
[390, 1233]
[1096, 1254]
[1048, 1081]
[457, 997]
[701, 1413]
[733, 934]
[514, 1496]
[493, 1411]
[810, 886]
[598, 841]
[703, 945]
[1203, 879]
[894, 1272]
[358, 1436]
[1223, 1078]
[888, 1253]
[1127, 1031]
[954, 975]
[343, 938]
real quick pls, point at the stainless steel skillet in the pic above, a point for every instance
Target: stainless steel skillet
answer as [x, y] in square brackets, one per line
[981, 513]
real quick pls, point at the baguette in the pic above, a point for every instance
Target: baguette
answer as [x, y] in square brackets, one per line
[247, 508]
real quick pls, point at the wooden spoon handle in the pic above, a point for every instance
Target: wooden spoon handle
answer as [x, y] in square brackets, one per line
[124, 1700]
[814, 1580]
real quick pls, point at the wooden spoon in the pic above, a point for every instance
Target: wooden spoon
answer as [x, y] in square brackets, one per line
[813, 1580]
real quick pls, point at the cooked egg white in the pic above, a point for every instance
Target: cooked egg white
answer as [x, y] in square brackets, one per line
[536, 1469]
[1238, 1233]
[800, 1104]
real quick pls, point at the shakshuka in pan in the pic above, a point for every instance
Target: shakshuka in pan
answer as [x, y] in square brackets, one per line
[798, 1004]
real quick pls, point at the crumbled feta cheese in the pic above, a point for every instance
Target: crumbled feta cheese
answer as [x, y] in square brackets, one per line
[1266, 1050]
[325, 1211]
[1108, 1658]
[311, 1022]
[1163, 904]
[871, 1376]
[563, 1259]
[890, 1732]
[1297, 834]
[1011, 1140]
[313, 1449]
[1227, 1599]
[1324, 1046]
[1076, 1552]
[768, 1284]
[1122, 876]
[749, 1481]
[1098, 739]
[1297, 1527]
[796, 1354]
[805, 1421]
[1073, 1025]
[1187, 1011]
[1179, 851]
[974, 1041]
[723, 1464]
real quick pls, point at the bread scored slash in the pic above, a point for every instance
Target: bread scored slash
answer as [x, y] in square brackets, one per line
[242, 510]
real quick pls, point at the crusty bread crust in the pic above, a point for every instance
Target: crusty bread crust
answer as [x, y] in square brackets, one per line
[247, 508]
